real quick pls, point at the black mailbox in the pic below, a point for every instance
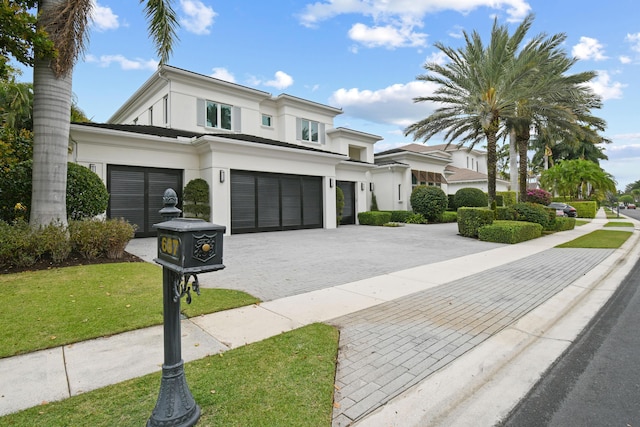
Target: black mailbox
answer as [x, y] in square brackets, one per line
[190, 245]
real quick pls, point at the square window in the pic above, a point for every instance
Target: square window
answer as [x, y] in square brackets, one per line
[266, 120]
[218, 115]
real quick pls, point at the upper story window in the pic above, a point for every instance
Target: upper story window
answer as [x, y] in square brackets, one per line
[217, 115]
[267, 120]
[309, 131]
[165, 109]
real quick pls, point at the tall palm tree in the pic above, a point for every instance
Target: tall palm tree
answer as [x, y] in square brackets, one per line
[65, 22]
[478, 89]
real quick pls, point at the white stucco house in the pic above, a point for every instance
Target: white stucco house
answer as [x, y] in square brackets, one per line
[400, 169]
[271, 162]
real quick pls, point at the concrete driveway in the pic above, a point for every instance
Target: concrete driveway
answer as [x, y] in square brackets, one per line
[280, 264]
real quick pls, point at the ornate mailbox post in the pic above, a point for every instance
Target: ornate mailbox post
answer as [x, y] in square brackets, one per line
[186, 247]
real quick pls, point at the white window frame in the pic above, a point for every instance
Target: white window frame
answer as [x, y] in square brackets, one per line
[202, 110]
[269, 120]
[301, 124]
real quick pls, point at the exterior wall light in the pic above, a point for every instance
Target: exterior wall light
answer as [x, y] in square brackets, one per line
[221, 176]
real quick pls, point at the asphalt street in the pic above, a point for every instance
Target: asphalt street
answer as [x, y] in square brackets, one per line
[596, 382]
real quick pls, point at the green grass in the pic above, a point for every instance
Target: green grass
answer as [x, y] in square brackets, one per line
[601, 239]
[286, 380]
[45, 309]
[580, 222]
[618, 224]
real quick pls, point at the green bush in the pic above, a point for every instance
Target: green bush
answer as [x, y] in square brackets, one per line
[562, 223]
[585, 209]
[505, 213]
[86, 194]
[96, 238]
[429, 201]
[451, 206]
[54, 241]
[509, 232]
[532, 212]
[471, 197]
[339, 204]
[374, 218]
[499, 200]
[415, 218]
[18, 244]
[374, 202]
[196, 199]
[508, 198]
[471, 219]
[449, 216]
[399, 216]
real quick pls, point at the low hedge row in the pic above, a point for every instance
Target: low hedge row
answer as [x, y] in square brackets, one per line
[562, 223]
[471, 219]
[22, 245]
[399, 216]
[509, 231]
[586, 209]
[374, 217]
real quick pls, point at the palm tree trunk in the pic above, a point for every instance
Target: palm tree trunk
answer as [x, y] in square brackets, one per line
[492, 160]
[522, 139]
[513, 161]
[51, 112]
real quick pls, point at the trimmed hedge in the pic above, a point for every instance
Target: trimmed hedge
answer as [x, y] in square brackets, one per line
[586, 209]
[508, 197]
[449, 216]
[399, 216]
[471, 219]
[562, 223]
[471, 197]
[533, 212]
[505, 213]
[374, 218]
[429, 201]
[509, 232]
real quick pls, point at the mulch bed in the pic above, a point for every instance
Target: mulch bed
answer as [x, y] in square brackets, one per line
[74, 259]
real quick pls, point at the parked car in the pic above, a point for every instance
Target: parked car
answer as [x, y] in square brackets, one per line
[631, 206]
[563, 209]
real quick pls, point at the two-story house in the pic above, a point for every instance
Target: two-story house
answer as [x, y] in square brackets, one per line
[271, 162]
[401, 169]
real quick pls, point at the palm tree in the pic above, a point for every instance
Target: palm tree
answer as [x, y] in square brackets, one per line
[578, 179]
[65, 22]
[478, 89]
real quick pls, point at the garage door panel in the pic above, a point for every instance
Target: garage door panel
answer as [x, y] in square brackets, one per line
[268, 202]
[136, 194]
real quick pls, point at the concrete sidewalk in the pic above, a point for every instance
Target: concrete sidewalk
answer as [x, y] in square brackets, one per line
[450, 369]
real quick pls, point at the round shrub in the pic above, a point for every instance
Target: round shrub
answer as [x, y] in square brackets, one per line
[196, 199]
[87, 195]
[471, 198]
[532, 212]
[429, 201]
[538, 195]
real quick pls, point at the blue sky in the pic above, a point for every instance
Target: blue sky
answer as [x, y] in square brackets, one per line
[361, 55]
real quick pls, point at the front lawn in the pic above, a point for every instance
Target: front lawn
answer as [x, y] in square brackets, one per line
[286, 380]
[44, 309]
[600, 239]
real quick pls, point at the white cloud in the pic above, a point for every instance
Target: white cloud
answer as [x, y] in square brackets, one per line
[386, 36]
[223, 74]
[438, 57]
[103, 17]
[198, 17]
[634, 39]
[394, 22]
[603, 86]
[280, 81]
[125, 64]
[391, 105]
[624, 59]
[589, 48]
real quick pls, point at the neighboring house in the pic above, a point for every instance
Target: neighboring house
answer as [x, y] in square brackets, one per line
[272, 163]
[446, 166]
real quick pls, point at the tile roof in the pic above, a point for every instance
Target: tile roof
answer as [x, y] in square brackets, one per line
[459, 174]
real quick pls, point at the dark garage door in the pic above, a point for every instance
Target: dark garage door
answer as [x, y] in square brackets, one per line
[136, 194]
[349, 210]
[272, 202]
